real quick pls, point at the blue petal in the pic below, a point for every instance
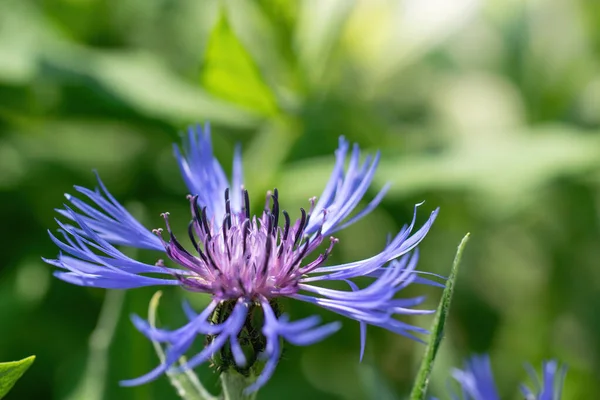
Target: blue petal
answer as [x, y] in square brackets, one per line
[205, 177]
[300, 333]
[93, 261]
[400, 245]
[109, 219]
[344, 191]
[477, 379]
[376, 303]
[552, 380]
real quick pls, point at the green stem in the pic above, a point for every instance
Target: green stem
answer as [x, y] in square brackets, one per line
[92, 384]
[234, 383]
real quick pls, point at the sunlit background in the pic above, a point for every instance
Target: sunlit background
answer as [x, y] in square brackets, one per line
[488, 109]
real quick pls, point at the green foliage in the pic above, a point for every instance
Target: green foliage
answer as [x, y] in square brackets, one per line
[11, 372]
[437, 332]
[491, 112]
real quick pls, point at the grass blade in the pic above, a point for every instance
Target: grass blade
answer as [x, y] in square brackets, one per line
[437, 332]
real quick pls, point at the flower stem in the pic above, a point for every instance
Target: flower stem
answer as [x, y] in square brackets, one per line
[187, 385]
[234, 383]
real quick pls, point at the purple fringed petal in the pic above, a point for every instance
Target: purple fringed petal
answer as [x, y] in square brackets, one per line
[112, 280]
[362, 326]
[374, 304]
[205, 177]
[109, 219]
[93, 261]
[228, 329]
[300, 333]
[400, 245]
[181, 339]
[344, 191]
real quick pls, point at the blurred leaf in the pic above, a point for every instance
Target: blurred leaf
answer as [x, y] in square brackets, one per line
[268, 151]
[23, 33]
[10, 372]
[143, 82]
[504, 168]
[230, 72]
[318, 30]
[260, 37]
[390, 36]
[437, 332]
[375, 386]
[93, 383]
[76, 143]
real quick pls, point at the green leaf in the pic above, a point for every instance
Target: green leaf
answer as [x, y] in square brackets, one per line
[10, 372]
[231, 73]
[146, 84]
[437, 332]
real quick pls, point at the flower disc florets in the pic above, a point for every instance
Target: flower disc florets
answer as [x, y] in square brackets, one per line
[242, 256]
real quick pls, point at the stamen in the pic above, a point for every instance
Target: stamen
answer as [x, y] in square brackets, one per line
[275, 208]
[301, 226]
[227, 209]
[298, 259]
[245, 232]
[211, 259]
[173, 239]
[246, 206]
[269, 245]
[194, 207]
[192, 236]
[319, 260]
[286, 229]
[205, 224]
[224, 229]
[270, 223]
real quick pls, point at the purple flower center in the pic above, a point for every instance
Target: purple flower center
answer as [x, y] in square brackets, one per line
[243, 256]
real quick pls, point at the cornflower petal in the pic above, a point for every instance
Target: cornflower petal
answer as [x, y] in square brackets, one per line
[106, 267]
[110, 220]
[477, 381]
[400, 245]
[301, 333]
[204, 175]
[375, 304]
[552, 380]
[344, 191]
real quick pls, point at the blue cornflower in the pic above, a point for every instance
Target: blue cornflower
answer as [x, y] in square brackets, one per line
[245, 262]
[477, 381]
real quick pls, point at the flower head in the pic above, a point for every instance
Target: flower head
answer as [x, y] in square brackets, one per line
[245, 262]
[477, 381]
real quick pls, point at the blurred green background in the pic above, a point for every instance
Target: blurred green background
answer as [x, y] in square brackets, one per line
[489, 109]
